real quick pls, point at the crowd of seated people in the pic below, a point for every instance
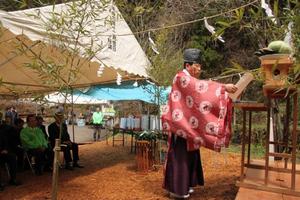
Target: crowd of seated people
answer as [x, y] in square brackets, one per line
[33, 140]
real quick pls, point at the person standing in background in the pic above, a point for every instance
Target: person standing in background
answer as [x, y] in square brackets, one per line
[13, 114]
[97, 122]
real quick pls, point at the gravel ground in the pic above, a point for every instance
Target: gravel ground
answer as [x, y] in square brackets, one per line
[110, 173]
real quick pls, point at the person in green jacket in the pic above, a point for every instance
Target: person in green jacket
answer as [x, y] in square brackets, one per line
[97, 122]
[34, 142]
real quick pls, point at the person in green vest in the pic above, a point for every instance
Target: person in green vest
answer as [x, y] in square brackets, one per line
[97, 122]
[34, 142]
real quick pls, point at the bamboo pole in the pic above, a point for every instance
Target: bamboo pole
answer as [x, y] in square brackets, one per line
[57, 149]
[55, 170]
[73, 129]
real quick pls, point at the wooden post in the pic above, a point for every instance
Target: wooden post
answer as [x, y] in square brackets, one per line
[286, 130]
[234, 117]
[243, 146]
[123, 137]
[267, 142]
[55, 170]
[249, 137]
[294, 139]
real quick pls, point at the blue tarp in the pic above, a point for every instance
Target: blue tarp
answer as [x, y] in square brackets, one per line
[145, 91]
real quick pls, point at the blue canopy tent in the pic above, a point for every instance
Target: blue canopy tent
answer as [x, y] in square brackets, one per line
[129, 90]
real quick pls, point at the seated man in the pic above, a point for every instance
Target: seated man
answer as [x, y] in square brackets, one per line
[7, 156]
[14, 142]
[67, 144]
[34, 142]
[19, 150]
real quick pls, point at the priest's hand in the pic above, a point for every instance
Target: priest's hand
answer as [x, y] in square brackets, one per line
[230, 88]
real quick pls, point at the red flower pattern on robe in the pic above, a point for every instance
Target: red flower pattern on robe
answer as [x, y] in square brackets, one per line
[199, 111]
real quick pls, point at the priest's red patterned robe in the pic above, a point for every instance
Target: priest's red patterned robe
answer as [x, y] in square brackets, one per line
[199, 111]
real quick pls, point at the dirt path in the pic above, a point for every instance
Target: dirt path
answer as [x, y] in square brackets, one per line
[110, 173]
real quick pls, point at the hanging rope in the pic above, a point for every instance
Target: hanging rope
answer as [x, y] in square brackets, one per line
[187, 22]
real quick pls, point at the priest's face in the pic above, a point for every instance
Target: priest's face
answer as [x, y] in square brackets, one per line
[194, 69]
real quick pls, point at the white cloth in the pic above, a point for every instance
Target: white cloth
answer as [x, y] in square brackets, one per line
[145, 122]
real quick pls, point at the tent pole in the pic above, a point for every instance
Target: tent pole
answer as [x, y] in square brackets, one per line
[36, 109]
[157, 102]
[149, 118]
[73, 129]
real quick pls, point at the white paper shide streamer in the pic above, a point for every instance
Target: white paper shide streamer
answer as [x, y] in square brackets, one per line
[288, 36]
[100, 70]
[135, 84]
[150, 82]
[119, 79]
[268, 11]
[152, 44]
[211, 29]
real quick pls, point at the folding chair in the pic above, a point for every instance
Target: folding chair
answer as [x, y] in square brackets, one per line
[28, 158]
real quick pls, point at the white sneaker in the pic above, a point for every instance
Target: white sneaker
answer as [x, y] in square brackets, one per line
[173, 195]
[191, 190]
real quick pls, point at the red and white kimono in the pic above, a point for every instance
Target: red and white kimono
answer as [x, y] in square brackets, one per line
[199, 111]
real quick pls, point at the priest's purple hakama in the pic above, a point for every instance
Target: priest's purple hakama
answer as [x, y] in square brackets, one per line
[178, 176]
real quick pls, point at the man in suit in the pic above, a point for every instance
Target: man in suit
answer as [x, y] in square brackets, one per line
[67, 145]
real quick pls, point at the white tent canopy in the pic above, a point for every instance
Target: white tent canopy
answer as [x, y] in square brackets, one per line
[24, 37]
[59, 98]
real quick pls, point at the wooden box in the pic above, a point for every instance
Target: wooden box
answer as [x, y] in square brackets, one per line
[275, 68]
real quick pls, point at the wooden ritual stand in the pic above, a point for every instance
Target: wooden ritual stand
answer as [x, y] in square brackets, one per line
[247, 107]
[267, 175]
[144, 155]
[133, 140]
[115, 132]
[132, 133]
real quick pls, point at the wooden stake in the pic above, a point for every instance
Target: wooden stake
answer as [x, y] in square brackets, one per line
[55, 170]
